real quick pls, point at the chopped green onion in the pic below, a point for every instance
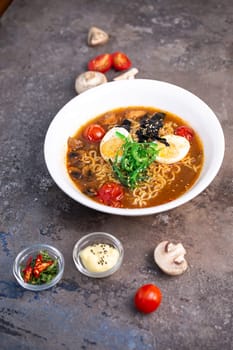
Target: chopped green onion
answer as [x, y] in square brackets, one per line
[136, 158]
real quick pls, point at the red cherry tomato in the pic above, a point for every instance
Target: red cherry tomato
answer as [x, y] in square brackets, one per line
[120, 61]
[111, 194]
[94, 133]
[185, 131]
[101, 63]
[147, 298]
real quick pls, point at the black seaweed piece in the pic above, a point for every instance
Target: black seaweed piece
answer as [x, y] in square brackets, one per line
[158, 115]
[149, 128]
[144, 117]
[162, 140]
[126, 124]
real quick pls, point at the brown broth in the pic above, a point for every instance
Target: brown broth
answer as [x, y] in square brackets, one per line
[184, 180]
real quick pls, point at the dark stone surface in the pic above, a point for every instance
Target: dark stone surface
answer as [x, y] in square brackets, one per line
[43, 48]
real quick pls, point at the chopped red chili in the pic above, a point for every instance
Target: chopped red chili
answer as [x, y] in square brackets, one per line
[41, 269]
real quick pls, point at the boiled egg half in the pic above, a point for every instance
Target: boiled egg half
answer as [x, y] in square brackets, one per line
[111, 143]
[178, 148]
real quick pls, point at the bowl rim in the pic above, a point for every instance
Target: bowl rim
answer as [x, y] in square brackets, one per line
[84, 200]
[36, 247]
[93, 236]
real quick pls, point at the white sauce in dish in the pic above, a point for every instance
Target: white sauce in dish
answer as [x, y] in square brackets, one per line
[99, 257]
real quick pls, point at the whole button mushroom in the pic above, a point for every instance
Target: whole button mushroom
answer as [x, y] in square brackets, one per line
[170, 258]
[97, 36]
[88, 80]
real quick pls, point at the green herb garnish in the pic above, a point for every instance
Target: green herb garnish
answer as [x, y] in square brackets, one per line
[41, 269]
[136, 158]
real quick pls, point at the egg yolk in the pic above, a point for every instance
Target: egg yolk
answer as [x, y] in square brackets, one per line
[111, 148]
[168, 151]
[177, 149]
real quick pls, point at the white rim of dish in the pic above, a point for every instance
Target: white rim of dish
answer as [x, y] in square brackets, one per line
[138, 83]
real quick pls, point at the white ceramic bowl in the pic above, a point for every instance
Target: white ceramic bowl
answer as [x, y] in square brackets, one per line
[136, 92]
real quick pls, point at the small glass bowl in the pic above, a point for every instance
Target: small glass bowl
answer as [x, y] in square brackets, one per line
[32, 251]
[97, 238]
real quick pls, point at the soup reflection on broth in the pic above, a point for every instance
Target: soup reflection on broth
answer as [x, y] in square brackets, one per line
[134, 157]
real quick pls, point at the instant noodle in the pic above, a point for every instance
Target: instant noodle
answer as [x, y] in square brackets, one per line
[152, 162]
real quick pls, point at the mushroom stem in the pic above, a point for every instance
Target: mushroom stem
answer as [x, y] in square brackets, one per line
[179, 259]
[130, 74]
[175, 249]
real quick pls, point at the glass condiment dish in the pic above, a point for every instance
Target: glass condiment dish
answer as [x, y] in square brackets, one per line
[32, 251]
[97, 238]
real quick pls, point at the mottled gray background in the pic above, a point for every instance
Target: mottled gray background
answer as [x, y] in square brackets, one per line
[43, 47]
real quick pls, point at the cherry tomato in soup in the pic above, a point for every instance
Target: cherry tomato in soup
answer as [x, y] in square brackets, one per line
[111, 194]
[147, 298]
[120, 61]
[185, 131]
[94, 133]
[101, 63]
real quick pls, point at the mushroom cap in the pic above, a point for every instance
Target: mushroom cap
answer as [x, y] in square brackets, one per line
[88, 80]
[97, 36]
[170, 258]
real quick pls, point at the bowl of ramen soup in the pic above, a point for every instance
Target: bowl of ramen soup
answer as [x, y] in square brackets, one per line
[134, 147]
